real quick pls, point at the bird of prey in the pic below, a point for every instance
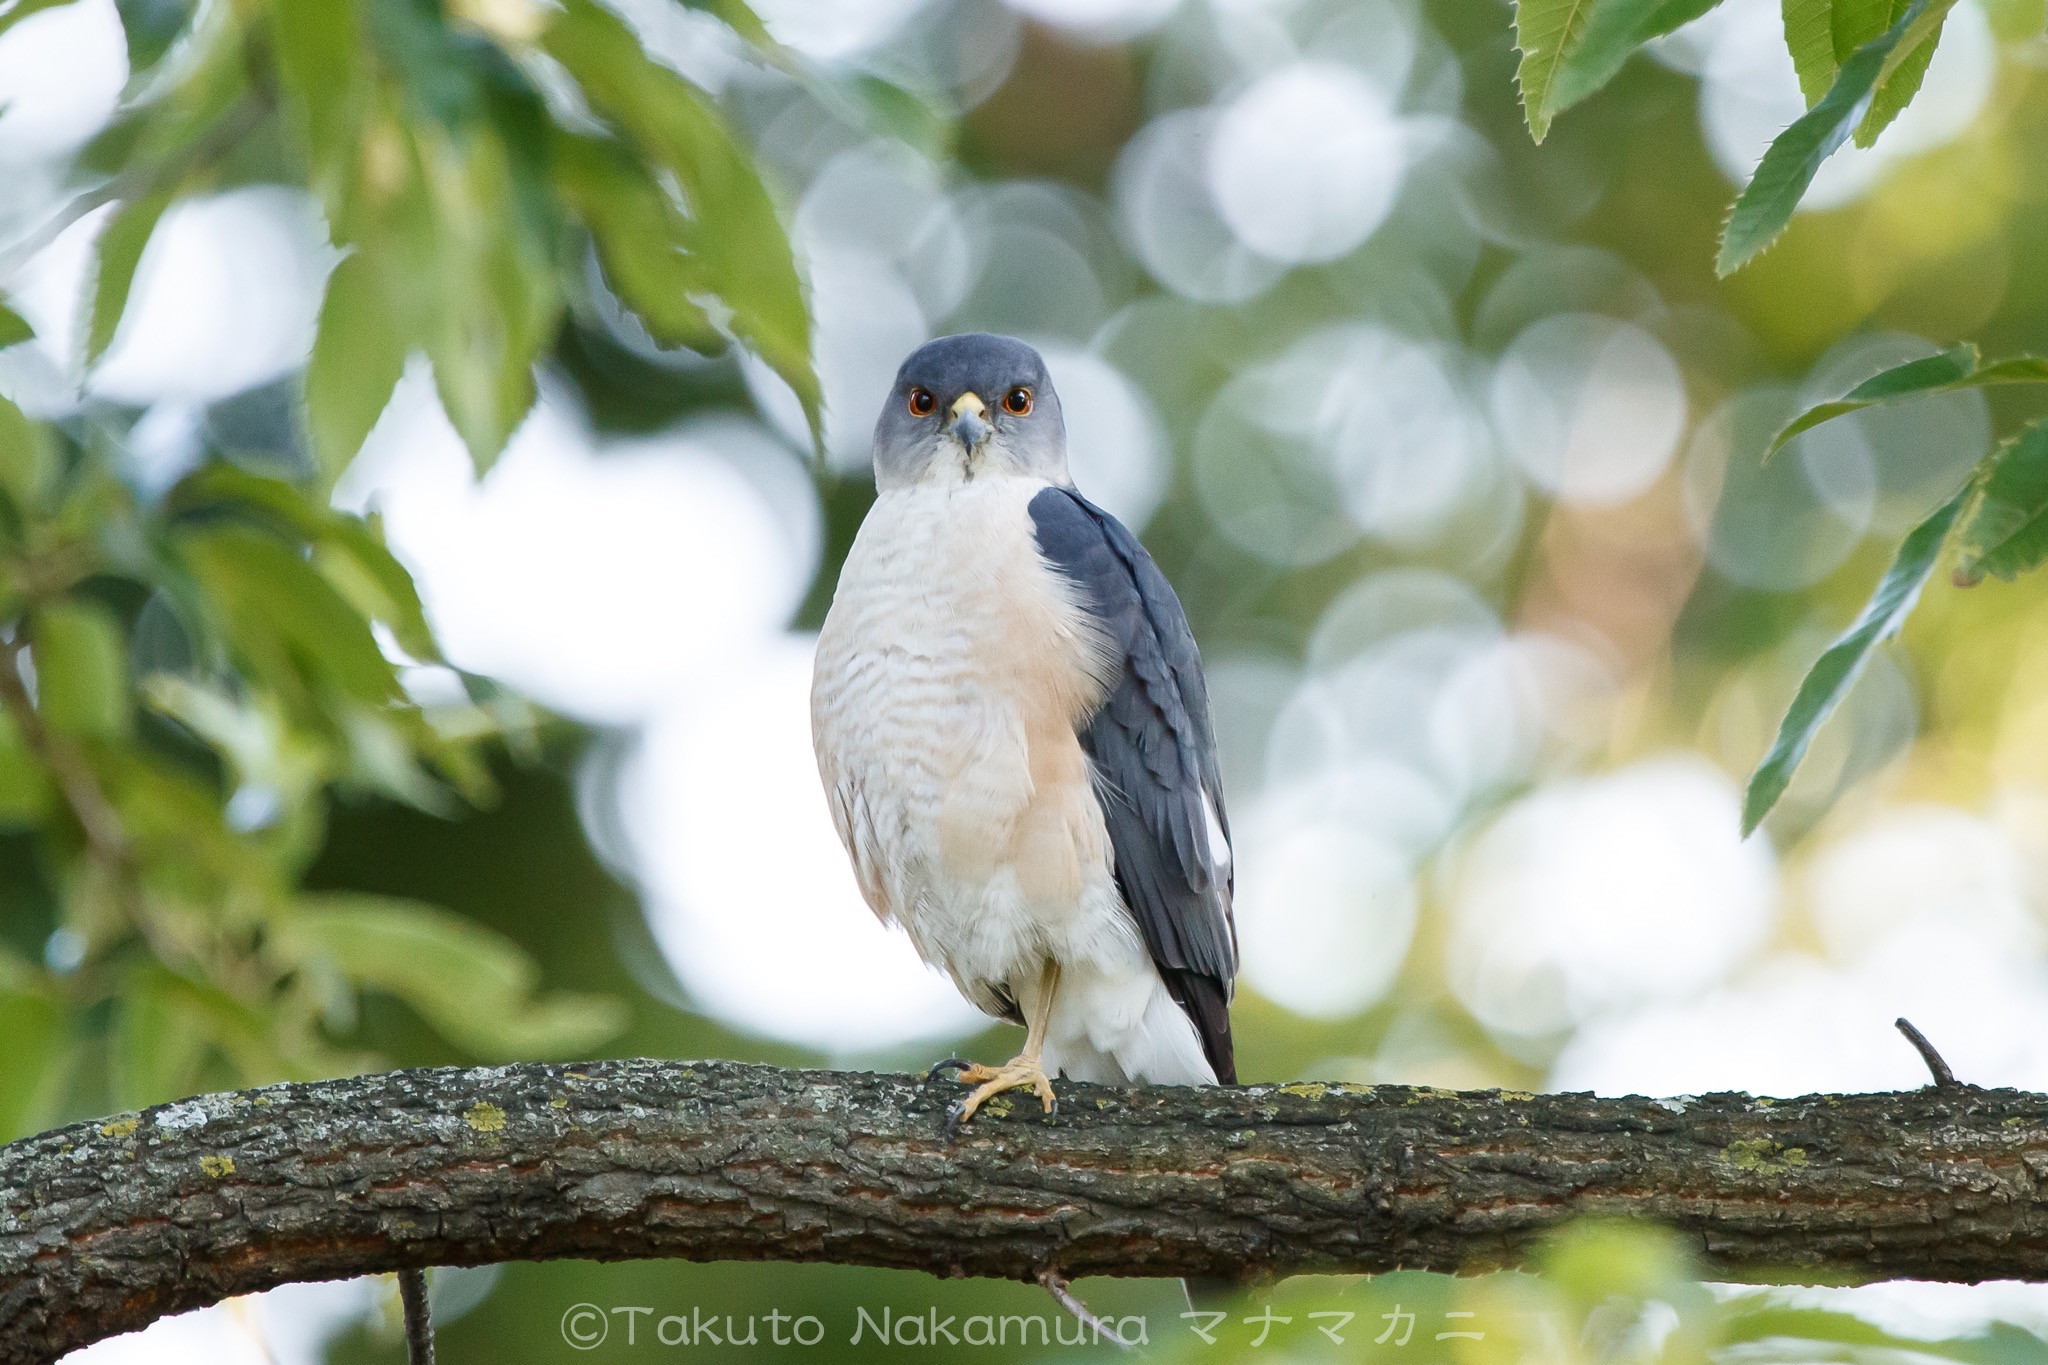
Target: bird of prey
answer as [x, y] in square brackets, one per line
[1013, 731]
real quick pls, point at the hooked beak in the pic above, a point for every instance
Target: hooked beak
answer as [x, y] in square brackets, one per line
[969, 425]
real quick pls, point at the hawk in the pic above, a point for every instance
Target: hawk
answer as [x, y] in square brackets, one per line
[1013, 732]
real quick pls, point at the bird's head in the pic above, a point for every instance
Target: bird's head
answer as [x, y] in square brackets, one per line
[970, 406]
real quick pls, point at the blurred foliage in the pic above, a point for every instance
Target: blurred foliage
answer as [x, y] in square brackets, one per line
[185, 681]
[191, 676]
[1860, 62]
[1998, 522]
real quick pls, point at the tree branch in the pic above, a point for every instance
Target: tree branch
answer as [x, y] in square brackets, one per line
[107, 1226]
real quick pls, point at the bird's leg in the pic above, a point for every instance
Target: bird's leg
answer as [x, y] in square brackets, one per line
[1020, 1072]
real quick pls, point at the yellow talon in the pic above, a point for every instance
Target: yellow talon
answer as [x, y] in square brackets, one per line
[1021, 1072]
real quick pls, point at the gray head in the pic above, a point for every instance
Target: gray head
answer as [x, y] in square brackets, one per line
[968, 406]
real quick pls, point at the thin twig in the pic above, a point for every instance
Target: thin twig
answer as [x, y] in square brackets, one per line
[419, 1323]
[1056, 1285]
[1944, 1079]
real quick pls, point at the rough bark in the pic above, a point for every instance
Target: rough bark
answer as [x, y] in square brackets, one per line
[108, 1225]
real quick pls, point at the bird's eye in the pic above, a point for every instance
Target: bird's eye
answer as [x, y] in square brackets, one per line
[922, 404]
[1017, 402]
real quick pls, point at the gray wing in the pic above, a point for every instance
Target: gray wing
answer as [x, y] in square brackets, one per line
[1154, 754]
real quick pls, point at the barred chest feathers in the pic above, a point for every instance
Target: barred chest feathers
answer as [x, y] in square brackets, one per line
[951, 674]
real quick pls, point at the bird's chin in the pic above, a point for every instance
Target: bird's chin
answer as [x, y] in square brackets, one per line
[973, 459]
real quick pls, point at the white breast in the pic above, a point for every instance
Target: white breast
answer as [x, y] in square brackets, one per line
[951, 671]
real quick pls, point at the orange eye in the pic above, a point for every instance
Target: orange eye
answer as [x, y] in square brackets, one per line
[1017, 402]
[922, 404]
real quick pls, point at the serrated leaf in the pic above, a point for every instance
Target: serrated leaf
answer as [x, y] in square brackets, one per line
[14, 328]
[283, 618]
[734, 231]
[2005, 531]
[1901, 78]
[494, 290]
[358, 358]
[474, 985]
[640, 235]
[1852, 23]
[1828, 681]
[1952, 370]
[1788, 167]
[1810, 38]
[362, 568]
[81, 670]
[1613, 31]
[118, 252]
[1545, 31]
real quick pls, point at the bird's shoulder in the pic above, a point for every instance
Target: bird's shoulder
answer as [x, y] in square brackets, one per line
[1131, 599]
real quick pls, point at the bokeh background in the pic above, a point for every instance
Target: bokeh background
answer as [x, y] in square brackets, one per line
[1451, 445]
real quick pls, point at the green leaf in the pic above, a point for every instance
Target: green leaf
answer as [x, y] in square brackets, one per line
[1545, 30]
[493, 291]
[733, 228]
[640, 234]
[475, 986]
[316, 57]
[24, 787]
[1831, 675]
[362, 568]
[1766, 204]
[1852, 23]
[169, 117]
[284, 619]
[738, 17]
[1614, 30]
[1810, 37]
[14, 328]
[151, 28]
[22, 9]
[259, 747]
[28, 465]
[159, 1040]
[1951, 370]
[1901, 78]
[168, 1025]
[348, 550]
[81, 670]
[2005, 532]
[33, 1029]
[119, 251]
[358, 357]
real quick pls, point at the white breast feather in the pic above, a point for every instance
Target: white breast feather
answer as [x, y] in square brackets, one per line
[951, 672]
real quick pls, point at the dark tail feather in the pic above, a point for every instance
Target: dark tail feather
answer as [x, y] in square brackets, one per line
[1203, 1000]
